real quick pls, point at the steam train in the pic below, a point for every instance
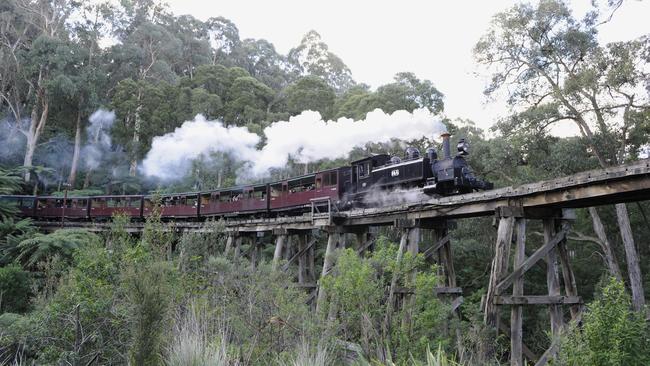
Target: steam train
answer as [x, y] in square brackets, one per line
[345, 187]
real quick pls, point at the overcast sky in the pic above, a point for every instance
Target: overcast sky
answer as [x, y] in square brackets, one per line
[377, 39]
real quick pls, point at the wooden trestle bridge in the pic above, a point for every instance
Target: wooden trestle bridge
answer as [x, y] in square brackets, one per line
[549, 201]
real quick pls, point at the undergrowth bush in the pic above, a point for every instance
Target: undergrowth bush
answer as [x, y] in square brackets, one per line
[611, 335]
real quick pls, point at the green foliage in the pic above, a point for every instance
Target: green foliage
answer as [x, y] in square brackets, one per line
[62, 242]
[310, 93]
[81, 321]
[156, 240]
[11, 234]
[199, 339]
[264, 313]
[430, 316]
[149, 292]
[119, 240]
[196, 248]
[17, 338]
[15, 289]
[9, 184]
[357, 285]
[611, 334]
[356, 290]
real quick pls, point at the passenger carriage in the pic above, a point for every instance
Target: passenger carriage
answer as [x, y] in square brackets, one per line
[249, 199]
[107, 206]
[297, 193]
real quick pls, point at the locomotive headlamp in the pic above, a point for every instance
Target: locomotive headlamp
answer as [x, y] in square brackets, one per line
[463, 147]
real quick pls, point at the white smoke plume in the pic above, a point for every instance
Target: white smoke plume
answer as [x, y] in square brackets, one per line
[305, 138]
[382, 197]
[99, 140]
[171, 154]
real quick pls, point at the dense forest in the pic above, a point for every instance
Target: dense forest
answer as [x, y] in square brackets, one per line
[85, 86]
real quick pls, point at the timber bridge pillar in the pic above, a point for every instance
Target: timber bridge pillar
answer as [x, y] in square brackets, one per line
[512, 221]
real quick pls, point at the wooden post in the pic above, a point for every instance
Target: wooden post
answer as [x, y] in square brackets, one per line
[254, 250]
[445, 257]
[499, 266]
[570, 287]
[229, 243]
[302, 242]
[343, 241]
[328, 262]
[279, 244]
[288, 247]
[311, 263]
[362, 239]
[552, 279]
[516, 312]
[413, 248]
[238, 240]
[390, 303]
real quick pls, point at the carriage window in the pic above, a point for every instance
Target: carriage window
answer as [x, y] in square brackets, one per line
[135, 202]
[275, 191]
[224, 197]
[191, 201]
[259, 194]
[333, 178]
[205, 199]
[326, 179]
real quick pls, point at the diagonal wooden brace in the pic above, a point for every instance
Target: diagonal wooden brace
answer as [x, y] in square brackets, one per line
[530, 262]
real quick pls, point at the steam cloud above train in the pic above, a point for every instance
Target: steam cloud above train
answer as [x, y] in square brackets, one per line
[305, 138]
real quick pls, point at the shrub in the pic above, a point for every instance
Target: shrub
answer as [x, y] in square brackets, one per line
[15, 289]
[199, 339]
[149, 291]
[612, 334]
[81, 321]
[265, 312]
[63, 242]
[357, 289]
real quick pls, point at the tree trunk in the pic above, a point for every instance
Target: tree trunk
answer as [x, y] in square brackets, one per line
[35, 128]
[72, 178]
[606, 246]
[87, 179]
[133, 169]
[633, 268]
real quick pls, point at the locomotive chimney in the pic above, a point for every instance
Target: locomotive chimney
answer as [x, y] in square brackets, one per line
[446, 149]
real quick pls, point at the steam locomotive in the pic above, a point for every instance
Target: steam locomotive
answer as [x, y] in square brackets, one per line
[344, 187]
